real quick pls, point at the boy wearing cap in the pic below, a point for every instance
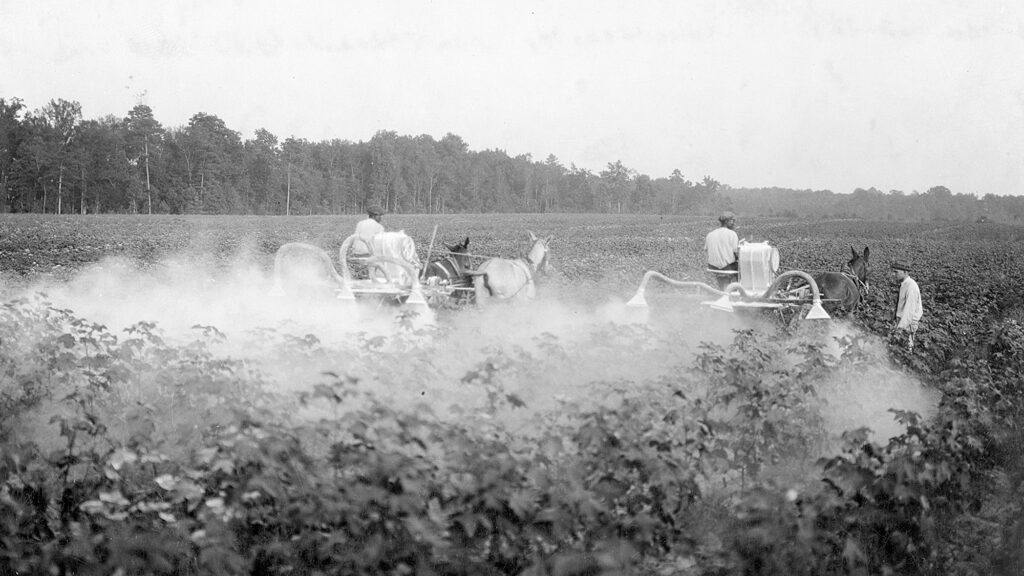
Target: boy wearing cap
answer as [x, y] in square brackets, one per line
[908, 307]
[723, 246]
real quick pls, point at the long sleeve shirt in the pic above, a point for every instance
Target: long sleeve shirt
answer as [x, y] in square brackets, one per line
[909, 309]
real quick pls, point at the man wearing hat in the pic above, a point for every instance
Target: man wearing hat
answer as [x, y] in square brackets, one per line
[908, 307]
[366, 229]
[723, 246]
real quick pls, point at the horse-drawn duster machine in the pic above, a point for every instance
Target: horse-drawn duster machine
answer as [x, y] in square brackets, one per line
[756, 285]
[392, 273]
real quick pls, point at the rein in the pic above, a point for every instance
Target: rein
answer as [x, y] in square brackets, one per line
[862, 286]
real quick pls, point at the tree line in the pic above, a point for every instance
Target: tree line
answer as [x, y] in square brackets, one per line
[54, 161]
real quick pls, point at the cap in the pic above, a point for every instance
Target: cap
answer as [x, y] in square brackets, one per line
[726, 216]
[374, 210]
[897, 265]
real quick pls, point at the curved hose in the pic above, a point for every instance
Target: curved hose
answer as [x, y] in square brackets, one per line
[638, 299]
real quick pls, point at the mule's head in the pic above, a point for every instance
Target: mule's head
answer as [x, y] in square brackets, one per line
[859, 264]
[460, 252]
[460, 247]
[538, 256]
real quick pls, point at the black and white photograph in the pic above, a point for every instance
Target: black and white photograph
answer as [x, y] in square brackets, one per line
[477, 288]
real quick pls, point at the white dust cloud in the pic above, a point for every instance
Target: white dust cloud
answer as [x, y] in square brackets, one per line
[562, 345]
[865, 397]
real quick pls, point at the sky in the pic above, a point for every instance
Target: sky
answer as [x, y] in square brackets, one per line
[815, 94]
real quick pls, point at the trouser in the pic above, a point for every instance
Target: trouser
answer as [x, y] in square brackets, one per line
[906, 334]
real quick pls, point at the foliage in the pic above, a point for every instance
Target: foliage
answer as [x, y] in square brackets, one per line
[143, 453]
[51, 161]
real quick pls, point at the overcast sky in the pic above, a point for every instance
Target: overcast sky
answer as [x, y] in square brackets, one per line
[817, 94]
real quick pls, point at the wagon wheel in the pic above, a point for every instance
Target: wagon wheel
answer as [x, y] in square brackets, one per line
[436, 299]
[437, 294]
[798, 292]
[794, 288]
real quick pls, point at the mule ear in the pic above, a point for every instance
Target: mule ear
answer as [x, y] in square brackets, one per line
[533, 237]
[548, 239]
[466, 243]
[854, 250]
[865, 252]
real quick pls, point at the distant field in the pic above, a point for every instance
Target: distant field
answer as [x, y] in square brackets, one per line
[959, 266]
[153, 394]
[585, 247]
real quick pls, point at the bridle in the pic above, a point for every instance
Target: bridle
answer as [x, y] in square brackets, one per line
[536, 266]
[862, 285]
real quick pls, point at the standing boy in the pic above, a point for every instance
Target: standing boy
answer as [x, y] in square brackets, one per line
[908, 307]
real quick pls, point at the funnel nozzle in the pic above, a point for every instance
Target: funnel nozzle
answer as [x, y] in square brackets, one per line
[817, 312]
[724, 304]
[638, 300]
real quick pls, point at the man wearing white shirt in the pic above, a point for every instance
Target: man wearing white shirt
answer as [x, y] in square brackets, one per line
[908, 307]
[366, 229]
[723, 245]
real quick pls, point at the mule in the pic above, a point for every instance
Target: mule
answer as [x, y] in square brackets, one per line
[451, 268]
[505, 279]
[849, 285]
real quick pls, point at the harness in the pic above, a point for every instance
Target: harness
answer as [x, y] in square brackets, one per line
[536, 266]
[453, 266]
[527, 267]
[862, 286]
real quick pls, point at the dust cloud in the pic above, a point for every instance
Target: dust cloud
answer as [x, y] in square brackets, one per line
[865, 397]
[561, 345]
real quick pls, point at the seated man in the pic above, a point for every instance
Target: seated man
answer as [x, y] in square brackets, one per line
[723, 246]
[366, 229]
[362, 246]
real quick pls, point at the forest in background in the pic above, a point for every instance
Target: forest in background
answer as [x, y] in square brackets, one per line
[54, 161]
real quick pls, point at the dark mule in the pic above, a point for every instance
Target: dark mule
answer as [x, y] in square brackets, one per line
[506, 279]
[847, 286]
[451, 268]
